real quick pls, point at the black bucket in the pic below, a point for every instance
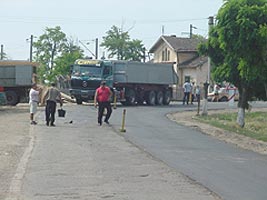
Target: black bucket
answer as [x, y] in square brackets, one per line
[61, 112]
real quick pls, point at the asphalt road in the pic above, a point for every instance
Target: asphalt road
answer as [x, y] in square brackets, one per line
[80, 160]
[230, 172]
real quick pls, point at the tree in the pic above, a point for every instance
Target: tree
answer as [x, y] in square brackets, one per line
[55, 53]
[237, 46]
[48, 46]
[70, 53]
[119, 44]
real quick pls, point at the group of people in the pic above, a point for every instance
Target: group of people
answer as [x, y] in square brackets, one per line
[191, 92]
[53, 95]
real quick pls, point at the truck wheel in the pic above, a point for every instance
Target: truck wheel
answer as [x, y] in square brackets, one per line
[223, 99]
[130, 97]
[167, 97]
[12, 98]
[151, 98]
[159, 98]
[79, 101]
[140, 101]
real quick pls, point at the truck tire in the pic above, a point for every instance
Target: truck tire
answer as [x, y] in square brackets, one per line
[167, 97]
[140, 101]
[130, 97]
[12, 98]
[79, 101]
[223, 99]
[159, 98]
[151, 98]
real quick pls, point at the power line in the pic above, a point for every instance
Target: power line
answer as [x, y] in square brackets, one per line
[92, 21]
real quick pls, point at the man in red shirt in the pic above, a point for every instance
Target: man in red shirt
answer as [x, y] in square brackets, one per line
[102, 97]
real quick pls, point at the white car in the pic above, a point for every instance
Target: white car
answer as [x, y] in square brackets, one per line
[224, 94]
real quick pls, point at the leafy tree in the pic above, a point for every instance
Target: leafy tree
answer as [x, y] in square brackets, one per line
[119, 44]
[55, 53]
[70, 53]
[48, 46]
[237, 47]
[135, 50]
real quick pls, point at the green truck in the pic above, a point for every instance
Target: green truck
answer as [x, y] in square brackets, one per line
[131, 82]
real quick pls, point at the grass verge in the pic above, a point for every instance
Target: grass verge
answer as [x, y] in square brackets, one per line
[255, 123]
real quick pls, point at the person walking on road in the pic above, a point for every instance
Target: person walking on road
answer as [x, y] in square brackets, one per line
[33, 101]
[52, 96]
[102, 97]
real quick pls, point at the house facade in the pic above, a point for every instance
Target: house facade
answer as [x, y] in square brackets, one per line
[182, 52]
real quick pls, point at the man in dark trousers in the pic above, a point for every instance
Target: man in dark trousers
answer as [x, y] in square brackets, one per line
[51, 96]
[102, 97]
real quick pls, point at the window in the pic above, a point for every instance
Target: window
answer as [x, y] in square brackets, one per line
[165, 55]
[187, 78]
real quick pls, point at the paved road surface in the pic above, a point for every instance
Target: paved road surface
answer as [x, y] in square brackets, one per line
[231, 172]
[84, 161]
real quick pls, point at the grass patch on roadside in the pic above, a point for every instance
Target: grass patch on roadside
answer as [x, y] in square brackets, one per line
[255, 123]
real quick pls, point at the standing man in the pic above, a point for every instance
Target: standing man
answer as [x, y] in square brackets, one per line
[51, 96]
[102, 97]
[187, 89]
[34, 100]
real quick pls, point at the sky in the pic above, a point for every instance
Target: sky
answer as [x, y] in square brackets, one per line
[86, 20]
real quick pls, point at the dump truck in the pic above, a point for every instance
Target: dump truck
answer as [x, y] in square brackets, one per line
[16, 78]
[131, 82]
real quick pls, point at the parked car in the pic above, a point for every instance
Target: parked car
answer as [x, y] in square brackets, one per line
[224, 94]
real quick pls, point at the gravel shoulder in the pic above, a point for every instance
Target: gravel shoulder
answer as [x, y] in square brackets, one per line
[14, 138]
[187, 119]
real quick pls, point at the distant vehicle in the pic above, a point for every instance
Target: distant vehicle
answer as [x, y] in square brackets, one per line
[16, 78]
[131, 82]
[2, 97]
[224, 94]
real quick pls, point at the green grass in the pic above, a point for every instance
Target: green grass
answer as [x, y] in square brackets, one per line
[255, 123]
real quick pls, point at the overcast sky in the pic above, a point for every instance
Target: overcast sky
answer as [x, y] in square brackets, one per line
[86, 20]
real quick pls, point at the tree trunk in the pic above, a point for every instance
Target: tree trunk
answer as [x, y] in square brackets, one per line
[242, 106]
[265, 87]
[241, 117]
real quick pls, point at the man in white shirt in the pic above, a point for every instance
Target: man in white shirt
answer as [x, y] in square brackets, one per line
[187, 89]
[34, 100]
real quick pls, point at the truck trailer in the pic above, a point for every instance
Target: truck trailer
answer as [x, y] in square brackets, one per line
[16, 78]
[131, 82]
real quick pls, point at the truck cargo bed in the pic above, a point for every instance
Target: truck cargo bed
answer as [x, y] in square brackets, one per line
[144, 73]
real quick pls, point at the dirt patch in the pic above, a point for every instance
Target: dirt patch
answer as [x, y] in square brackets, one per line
[187, 119]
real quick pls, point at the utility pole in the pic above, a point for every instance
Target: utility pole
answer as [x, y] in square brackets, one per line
[211, 23]
[207, 83]
[31, 42]
[2, 52]
[191, 30]
[144, 54]
[96, 48]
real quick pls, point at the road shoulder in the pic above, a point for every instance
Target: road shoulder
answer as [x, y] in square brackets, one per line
[187, 119]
